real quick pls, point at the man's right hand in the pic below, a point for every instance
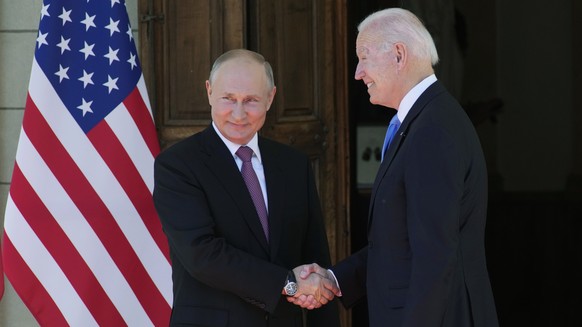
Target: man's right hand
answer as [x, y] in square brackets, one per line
[316, 286]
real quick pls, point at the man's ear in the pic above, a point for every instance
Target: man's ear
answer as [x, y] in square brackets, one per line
[401, 54]
[208, 89]
[209, 92]
[271, 97]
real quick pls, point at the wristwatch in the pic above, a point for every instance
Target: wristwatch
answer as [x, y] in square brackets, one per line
[290, 284]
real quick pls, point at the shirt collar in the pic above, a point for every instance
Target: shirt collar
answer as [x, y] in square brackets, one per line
[233, 147]
[413, 95]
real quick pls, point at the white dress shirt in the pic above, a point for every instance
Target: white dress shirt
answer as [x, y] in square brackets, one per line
[256, 159]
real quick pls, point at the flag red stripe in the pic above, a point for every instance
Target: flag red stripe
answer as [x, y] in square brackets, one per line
[93, 209]
[63, 251]
[120, 164]
[32, 293]
[1, 274]
[141, 115]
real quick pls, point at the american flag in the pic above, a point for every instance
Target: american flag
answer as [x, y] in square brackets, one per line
[83, 245]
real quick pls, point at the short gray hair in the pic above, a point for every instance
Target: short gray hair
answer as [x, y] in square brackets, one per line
[395, 25]
[243, 53]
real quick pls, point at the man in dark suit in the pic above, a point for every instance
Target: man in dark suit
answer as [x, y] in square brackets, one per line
[233, 245]
[425, 260]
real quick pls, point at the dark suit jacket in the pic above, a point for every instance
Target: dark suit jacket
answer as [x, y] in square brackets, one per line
[425, 260]
[224, 271]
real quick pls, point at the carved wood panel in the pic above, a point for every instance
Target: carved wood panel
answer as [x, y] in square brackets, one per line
[299, 38]
[180, 42]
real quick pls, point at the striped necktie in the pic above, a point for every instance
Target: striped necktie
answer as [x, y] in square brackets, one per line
[250, 177]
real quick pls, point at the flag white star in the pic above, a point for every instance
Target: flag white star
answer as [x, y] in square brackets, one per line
[85, 107]
[113, 2]
[88, 21]
[86, 79]
[111, 83]
[112, 27]
[41, 39]
[129, 32]
[65, 16]
[131, 60]
[87, 50]
[44, 11]
[112, 55]
[64, 45]
[62, 73]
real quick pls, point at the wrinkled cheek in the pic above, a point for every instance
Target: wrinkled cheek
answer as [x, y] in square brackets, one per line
[218, 112]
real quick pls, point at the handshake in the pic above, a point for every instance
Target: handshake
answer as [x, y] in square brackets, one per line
[316, 286]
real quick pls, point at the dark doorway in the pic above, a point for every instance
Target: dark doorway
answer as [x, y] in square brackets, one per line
[532, 238]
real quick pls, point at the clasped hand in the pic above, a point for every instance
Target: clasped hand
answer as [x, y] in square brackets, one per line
[315, 287]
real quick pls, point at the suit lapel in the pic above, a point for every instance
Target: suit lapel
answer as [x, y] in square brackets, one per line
[399, 138]
[274, 176]
[220, 162]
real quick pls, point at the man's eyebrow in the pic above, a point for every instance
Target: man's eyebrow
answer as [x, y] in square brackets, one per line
[363, 50]
[230, 94]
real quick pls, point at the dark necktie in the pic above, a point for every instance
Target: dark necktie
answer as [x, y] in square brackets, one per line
[245, 153]
[392, 128]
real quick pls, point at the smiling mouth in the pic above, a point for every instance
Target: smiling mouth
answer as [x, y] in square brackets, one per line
[370, 84]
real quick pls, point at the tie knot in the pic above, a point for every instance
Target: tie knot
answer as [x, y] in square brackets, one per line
[395, 121]
[244, 153]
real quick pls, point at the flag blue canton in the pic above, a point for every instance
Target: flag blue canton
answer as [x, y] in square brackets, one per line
[87, 52]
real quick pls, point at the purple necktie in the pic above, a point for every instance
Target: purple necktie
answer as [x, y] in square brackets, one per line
[392, 128]
[245, 153]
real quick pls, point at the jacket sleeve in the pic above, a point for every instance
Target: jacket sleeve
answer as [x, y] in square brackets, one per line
[351, 276]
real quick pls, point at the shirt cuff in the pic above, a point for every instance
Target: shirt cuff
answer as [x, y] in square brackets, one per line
[336, 282]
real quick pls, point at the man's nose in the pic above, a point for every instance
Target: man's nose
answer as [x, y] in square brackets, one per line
[238, 111]
[359, 74]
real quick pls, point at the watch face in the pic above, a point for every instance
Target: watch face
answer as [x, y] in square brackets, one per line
[291, 288]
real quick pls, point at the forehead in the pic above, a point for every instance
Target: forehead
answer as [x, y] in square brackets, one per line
[367, 41]
[240, 65]
[242, 70]
[241, 76]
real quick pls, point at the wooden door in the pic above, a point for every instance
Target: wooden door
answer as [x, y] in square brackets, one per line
[305, 42]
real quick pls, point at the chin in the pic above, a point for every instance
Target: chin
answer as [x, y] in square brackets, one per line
[380, 103]
[239, 139]
[374, 101]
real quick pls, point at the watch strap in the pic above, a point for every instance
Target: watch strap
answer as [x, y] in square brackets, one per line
[291, 277]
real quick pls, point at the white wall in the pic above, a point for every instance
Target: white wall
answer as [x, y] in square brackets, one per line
[18, 31]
